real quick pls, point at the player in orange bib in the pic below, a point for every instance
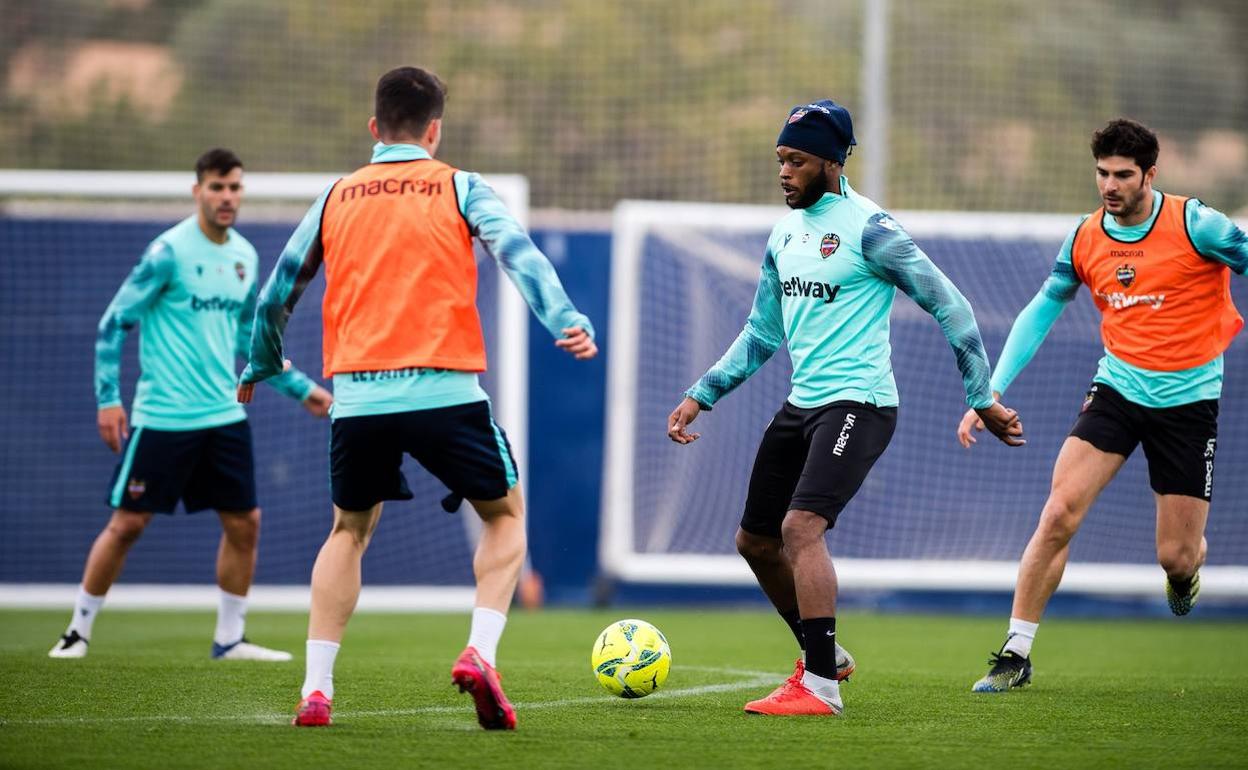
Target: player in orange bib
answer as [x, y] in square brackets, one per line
[403, 344]
[1159, 269]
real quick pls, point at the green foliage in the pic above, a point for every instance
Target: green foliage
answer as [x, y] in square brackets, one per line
[991, 101]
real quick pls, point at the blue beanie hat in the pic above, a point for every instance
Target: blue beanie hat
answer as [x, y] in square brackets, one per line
[821, 128]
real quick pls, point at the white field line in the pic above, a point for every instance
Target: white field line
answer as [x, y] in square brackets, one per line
[752, 679]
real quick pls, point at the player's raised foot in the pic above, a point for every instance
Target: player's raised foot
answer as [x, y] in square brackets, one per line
[1181, 603]
[1008, 670]
[314, 711]
[793, 699]
[245, 650]
[70, 645]
[474, 676]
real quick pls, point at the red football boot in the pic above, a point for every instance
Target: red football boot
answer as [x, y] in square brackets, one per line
[314, 711]
[792, 699]
[473, 675]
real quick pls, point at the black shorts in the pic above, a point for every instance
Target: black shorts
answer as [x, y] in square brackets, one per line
[1179, 441]
[460, 445]
[205, 468]
[814, 460]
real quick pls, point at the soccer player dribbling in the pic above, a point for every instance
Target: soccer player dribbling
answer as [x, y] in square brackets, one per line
[193, 296]
[403, 343]
[829, 275]
[1158, 267]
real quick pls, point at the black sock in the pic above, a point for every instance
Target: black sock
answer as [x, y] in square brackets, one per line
[1181, 587]
[820, 636]
[794, 619]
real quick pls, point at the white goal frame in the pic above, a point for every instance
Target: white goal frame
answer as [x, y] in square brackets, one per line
[512, 361]
[618, 556]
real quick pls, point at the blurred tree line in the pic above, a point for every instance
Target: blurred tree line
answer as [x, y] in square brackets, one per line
[992, 101]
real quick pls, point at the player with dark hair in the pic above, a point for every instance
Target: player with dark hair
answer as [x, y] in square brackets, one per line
[404, 346]
[193, 296]
[829, 276]
[1158, 267]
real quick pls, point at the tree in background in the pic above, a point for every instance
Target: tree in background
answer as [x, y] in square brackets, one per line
[991, 101]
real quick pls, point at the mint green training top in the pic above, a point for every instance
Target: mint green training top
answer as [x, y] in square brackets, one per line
[1214, 236]
[194, 302]
[828, 279]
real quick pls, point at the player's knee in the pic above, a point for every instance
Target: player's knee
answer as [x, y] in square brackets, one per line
[128, 529]
[242, 530]
[755, 548]
[358, 528]
[1061, 517]
[1178, 559]
[802, 530]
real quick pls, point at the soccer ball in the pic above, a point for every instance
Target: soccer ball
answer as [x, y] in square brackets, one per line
[631, 658]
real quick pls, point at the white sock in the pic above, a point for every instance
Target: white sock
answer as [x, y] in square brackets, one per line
[320, 672]
[487, 629]
[85, 608]
[826, 690]
[231, 615]
[1020, 637]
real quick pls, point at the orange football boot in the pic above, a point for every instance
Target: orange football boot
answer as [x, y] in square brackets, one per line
[792, 699]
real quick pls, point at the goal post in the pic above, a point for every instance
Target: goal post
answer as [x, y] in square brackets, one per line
[67, 238]
[931, 516]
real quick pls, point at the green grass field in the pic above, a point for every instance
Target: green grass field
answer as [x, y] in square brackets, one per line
[1167, 693]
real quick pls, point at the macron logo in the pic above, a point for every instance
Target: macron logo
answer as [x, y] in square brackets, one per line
[843, 439]
[796, 287]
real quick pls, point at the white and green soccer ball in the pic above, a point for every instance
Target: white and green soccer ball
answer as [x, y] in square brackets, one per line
[631, 658]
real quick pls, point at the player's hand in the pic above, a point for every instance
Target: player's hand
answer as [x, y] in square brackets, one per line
[247, 390]
[1001, 422]
[970, 422]
[678, 420]
[111, 420]
[578, 342]
[318, 402]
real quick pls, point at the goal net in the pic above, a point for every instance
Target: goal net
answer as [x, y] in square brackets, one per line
[67, 240]
[931, 515]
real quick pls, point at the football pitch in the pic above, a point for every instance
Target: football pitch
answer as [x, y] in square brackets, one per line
[1156, 693]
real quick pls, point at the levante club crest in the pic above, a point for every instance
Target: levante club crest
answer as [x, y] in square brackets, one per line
[1126, 275]
[829, 244]
[241, 271]
[136, 488]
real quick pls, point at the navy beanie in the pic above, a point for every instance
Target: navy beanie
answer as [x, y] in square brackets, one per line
[821, 128]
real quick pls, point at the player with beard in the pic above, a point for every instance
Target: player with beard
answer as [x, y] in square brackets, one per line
[1159, 269]
[193, 297]
[829, 275]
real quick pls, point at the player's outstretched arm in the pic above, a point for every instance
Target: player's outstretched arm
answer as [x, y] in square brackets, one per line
[139, 291]
[291, 383]
[890, 252]
[759, 339]
[1028, 332]
[295, 268]
[526, 266]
